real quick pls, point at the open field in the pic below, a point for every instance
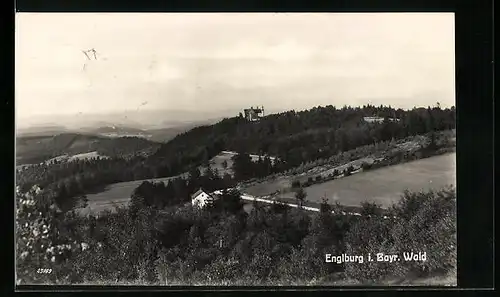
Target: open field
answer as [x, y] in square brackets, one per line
[89, 155]
[82, 156]
[118, 194]
[67, 158]
[217, 163]
[383, 186]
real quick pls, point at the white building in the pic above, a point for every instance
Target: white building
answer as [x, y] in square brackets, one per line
[379, 119]
[254, 114]
[201, 198]
[373, 119]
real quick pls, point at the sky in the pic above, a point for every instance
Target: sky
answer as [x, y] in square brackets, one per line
[218, 61]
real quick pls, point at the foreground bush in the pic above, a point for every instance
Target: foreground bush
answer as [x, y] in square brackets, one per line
[425, 222]
[225, 245]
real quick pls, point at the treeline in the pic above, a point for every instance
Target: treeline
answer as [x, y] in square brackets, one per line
[294, 137]
[126, 147]
[297, 137]
[225, 245]
[388, 152]
[244, 168]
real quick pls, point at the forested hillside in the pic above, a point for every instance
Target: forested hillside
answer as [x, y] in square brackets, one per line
[294, 137]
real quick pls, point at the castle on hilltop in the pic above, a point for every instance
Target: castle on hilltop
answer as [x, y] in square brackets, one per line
[253, 114]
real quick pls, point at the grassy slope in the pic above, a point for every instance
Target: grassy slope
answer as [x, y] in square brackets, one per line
[382, 186]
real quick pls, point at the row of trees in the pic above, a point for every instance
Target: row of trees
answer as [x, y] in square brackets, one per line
[245, 168]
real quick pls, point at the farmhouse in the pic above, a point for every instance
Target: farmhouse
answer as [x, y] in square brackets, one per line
[201, 198]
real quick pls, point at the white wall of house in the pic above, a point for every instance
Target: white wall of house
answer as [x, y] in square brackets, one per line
[201, 200]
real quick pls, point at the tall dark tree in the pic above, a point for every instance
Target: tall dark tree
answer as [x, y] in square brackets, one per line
[325, 207]
[229, 201]
[242, 166]
[300, 195]
[194, 179]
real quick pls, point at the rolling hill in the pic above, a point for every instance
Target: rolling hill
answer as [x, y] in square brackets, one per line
[36, 149]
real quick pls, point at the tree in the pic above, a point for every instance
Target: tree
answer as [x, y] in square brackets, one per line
[325, 207]
[229, 201]
[370, 209]
[348, 171]
[242, 166]
[300, 195]
[366, 166]
[432, 144]
[194, 178]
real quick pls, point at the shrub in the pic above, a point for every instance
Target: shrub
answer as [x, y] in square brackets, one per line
[279, 207]
[366, 166]
[364, 237]
[300, 195]
[425, 222]
[39, 244]
[370, 209]
[325, 206]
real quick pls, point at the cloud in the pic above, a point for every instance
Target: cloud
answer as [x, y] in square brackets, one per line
[213, 61]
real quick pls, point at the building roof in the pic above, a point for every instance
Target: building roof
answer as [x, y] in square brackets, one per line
[200, 190]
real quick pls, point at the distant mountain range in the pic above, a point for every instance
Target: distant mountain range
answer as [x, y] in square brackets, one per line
[143, 119]
[157, 125]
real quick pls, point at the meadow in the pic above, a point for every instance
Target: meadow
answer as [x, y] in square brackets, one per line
[383, 186]
[114, 195]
